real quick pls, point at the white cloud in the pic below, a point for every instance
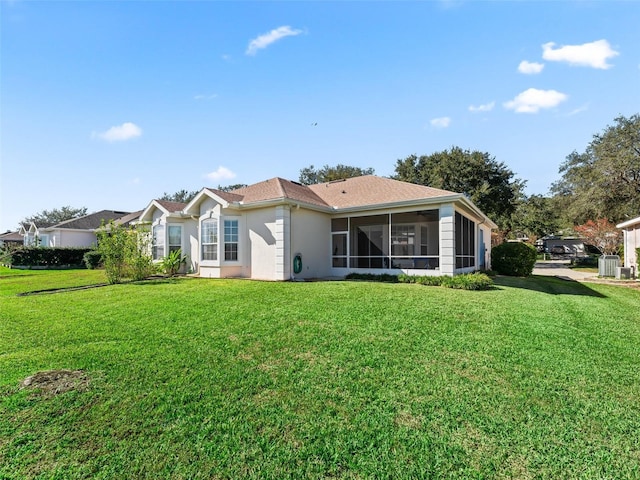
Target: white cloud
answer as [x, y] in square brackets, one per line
[530, 68]
[594, 54]
[487, 107]
[119, 133]
[442, 122]
[263, 41]
[222, 173]
[532, 100]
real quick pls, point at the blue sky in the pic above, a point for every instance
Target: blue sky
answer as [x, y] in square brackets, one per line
[107, 105]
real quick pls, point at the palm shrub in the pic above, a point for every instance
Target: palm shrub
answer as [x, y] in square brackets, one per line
[513, 258]
[172, 262]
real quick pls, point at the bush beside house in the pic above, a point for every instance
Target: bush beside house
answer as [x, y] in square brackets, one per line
[514, 259]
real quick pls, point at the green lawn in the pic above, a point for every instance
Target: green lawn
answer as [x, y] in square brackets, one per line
[196, 378]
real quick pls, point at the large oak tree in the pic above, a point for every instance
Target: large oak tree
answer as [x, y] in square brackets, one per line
[311, 175]
[490, 184]
[604, 180]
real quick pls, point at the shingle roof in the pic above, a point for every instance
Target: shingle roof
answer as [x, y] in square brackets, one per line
[370, 190]
[277, 188]
[91, 221]
[172, 206]
[11, 237]
[127, 219]
[228, 196]
[365, 191]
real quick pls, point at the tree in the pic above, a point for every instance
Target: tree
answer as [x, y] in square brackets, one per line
[604, 180]
[47, 218]
[182, 196]
[229, 188]
[310, 175]
[537, 216]
[487, 182]
[602, 234]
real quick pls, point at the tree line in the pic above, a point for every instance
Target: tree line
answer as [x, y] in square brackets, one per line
[600, 184]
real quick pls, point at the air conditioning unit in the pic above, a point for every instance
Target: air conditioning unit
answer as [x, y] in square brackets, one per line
[623, 273]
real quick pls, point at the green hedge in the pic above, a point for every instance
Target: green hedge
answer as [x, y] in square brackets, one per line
[513, 258]
[54, 257]
[92, 259]
[467, 281]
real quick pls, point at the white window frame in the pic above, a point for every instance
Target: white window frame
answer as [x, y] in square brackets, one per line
[215, 243]
[155, 244]
[169, 246]
[226, 242]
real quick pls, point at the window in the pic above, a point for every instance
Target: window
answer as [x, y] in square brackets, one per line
[465, 242]
[231, 240]
[209, 239]
[43, 240]
[175, 238]
[157, 248]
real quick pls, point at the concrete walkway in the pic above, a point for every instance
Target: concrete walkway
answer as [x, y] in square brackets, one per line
[560, 269]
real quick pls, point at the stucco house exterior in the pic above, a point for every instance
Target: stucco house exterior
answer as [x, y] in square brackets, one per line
[170, 229]
[78, 232]
[281, 230]
[631, 240]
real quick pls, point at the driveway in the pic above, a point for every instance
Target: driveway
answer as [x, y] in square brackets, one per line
[560, 268]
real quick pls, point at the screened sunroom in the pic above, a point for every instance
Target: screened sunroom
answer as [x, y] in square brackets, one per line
[408, 240]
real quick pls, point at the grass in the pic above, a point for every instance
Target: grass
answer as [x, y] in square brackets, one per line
[198, 378]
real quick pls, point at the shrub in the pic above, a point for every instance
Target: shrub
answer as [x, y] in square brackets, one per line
[638, 257]
[384, 277]
[514, 259]
[590, 261]
[469, 281]
[92, 259]
[125, 252]
[46, 257]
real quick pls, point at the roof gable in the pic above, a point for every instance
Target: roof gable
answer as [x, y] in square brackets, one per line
[165, 206]
[277, 189]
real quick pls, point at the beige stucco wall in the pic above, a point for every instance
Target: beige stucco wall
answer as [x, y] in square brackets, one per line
[70, 238]
[260, 254]
[311, 238]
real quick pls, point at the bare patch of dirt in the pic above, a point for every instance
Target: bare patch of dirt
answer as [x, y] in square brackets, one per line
[54, 382]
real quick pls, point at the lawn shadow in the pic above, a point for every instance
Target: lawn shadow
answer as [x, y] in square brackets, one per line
[547, 284]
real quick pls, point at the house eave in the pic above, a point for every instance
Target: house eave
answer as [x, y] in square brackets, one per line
[629, 223]
[272, 202]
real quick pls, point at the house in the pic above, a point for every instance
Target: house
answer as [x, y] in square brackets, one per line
[11, 238]
[631, 241]
[77, 232]
[280, 230]
[170, 229]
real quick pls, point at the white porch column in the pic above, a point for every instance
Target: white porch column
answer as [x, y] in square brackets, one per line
[447, 239]
[283, 242]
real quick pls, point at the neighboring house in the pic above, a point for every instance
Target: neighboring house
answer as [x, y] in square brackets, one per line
[11, 238]
[77, 232]
[281, 230]
[631, 240]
